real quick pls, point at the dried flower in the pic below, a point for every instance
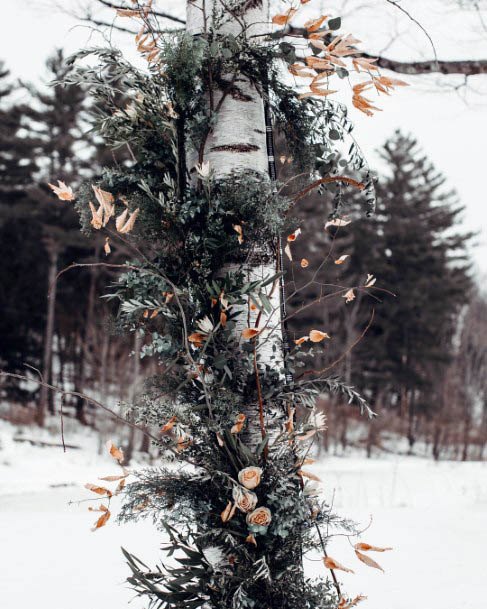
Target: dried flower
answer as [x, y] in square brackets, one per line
[244, 500]
[250, 477]
[259, 520]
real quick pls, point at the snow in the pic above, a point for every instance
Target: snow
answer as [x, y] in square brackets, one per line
[434, 515]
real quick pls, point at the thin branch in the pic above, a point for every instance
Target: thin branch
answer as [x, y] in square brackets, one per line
[112, 26]
[467, 67]
[344, 354]
[414, 20]
[327, 180]
[152, 11]
[83, 396]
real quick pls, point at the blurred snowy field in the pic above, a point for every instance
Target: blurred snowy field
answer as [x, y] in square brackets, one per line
[434, 515]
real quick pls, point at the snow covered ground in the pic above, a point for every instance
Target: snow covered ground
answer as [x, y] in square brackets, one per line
[434, 515]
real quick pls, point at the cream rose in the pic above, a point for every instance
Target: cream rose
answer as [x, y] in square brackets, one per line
[244, 500]
[259, 520]
[250, 477]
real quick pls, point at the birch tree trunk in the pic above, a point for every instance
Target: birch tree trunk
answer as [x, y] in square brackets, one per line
[237, 143]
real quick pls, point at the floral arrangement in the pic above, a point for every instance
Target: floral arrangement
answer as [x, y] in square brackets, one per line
[234, 398]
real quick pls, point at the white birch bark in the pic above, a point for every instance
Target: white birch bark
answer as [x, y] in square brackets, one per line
[238, 143]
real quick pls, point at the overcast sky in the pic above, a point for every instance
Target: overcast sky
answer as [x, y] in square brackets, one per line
[449, 119]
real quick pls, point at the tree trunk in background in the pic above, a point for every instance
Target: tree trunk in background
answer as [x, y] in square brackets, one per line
[133, 394]
[237, 143]
[87, 340]
[53, 253]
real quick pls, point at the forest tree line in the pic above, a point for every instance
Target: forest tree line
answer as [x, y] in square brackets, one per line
[417, 350]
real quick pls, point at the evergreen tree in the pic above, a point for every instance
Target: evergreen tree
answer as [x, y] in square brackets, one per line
[22, 273]
[56, 118]
[41, 141]
[414, 247]
[424, 262]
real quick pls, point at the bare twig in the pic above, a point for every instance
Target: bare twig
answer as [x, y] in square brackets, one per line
[327, 180]
[154, 12]
[344, 354]
[83, 396]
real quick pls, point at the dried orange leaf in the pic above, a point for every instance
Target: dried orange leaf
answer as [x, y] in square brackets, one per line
[295, 235]
[331, 563]
[238, 229]
[249, 333]
[304, 263]
[169, 425]
[304, 474]
[285, 17]
[129, 225]
[113, 478]
[342, 259]
[349, 296]
[239, 423]
[197, 339]
[183, 442]
[344, 604]
[228, 512]
[366, 547]
[370, 562]
[101, 522]
[314, 24]
[63, 192]
[316, 336]
[101, 508]
[99, 490]
[250, 538]
[96, 216]
[107, 247]
[370, 281]
[116, 453]
[300, 341]
[121, 219]
[106, 201]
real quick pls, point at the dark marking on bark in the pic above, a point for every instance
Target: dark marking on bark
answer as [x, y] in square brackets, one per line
[241, 8]
[234, 90]
[236, 148]
[259, 131]
[239, 95]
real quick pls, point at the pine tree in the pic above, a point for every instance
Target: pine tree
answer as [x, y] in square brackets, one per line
[22, 283]
[425, 264]
[414, 247]
[56, 117]
[40, 140]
